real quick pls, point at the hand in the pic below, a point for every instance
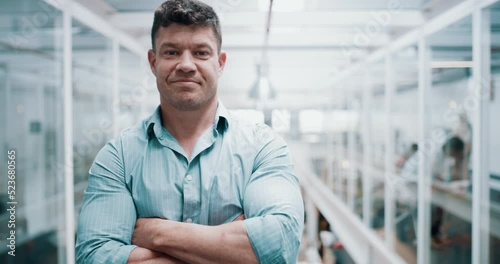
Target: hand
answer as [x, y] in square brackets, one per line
[240, 218]
[145, 230]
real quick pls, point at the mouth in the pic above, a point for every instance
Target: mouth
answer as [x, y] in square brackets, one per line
[185, 81]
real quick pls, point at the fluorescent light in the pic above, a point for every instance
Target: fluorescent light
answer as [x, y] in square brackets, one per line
[282, 5]
[451, 64]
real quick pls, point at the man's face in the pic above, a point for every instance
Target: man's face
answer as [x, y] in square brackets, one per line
[186, 65]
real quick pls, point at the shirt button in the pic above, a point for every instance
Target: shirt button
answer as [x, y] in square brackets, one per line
[189, 177]
[189, 220]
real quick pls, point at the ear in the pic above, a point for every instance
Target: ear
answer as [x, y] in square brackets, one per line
[152, 61]
[222, 62]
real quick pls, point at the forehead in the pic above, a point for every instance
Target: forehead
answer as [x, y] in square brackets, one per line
[186, 35]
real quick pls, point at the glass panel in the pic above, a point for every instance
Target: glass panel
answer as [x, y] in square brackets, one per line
[339, 176]
[31, 122]
[92, 101]
[494, 139]
[355, 150]
[449, 144]
[138, 93]
[405, 121]
[311, 127]
[377, 129]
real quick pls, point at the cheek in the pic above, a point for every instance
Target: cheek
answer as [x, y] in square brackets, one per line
[214, 72]
[164, 69]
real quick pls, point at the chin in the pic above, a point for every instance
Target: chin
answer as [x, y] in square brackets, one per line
[187, 105]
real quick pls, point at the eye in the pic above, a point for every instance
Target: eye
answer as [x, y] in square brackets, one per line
[202, 53]
[170, 52]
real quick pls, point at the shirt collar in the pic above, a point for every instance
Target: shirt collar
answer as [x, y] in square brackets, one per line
[154, 123]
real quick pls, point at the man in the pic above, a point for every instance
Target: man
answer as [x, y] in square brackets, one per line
[447, 165]
[191, 184]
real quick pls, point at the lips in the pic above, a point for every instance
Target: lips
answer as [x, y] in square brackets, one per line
[185, 81]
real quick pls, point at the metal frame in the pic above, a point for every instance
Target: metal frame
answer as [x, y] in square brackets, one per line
[389, 155]
[330, 158]
[481, 31]
[353, 164]
[424, 184]
[69, 204]
[97, 23]
[367, 152]
[339, 189]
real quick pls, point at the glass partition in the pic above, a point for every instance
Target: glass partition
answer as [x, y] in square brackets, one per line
[494, 139]
[138, 93]
[405, 122]
[92, 101]
[377, 124]
[450, 136]
[31, 126]
[355, 149]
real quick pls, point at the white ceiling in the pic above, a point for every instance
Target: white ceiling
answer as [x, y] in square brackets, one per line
[307, 46]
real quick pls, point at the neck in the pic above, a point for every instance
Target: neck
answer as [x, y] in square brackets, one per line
[187, 126]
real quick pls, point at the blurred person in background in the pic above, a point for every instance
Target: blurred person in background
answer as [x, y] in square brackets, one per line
[447, 165]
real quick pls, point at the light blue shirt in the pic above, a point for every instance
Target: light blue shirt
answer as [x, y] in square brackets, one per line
[235, 168]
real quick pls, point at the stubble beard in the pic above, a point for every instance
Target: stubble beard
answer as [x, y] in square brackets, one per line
[188, 103]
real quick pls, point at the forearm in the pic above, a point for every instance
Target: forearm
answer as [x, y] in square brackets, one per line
[193, 243]
[146, 256]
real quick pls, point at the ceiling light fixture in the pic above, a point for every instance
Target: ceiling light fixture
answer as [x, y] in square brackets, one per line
[262, 89]
[283, 5]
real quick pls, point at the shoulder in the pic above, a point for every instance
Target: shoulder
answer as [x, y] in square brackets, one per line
[129, 143]
[262, 141]
[254, 133]
[136, 134]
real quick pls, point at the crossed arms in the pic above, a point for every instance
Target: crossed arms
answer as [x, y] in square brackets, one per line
[192, 243]
[108, 231]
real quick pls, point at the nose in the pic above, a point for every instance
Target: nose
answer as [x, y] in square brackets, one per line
[186, 63]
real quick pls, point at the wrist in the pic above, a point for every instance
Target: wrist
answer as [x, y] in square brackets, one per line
[160, 234]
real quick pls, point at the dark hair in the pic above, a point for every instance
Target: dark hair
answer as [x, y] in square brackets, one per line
[454, 145]
[186, 12]
[414, 147]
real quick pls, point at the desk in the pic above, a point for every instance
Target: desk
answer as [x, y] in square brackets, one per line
[460, 204]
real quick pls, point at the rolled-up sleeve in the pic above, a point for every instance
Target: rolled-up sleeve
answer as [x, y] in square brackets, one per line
[273, 204]
[108, 215]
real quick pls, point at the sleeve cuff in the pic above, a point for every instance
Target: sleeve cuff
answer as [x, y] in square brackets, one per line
[266, 238]
[124, 253]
